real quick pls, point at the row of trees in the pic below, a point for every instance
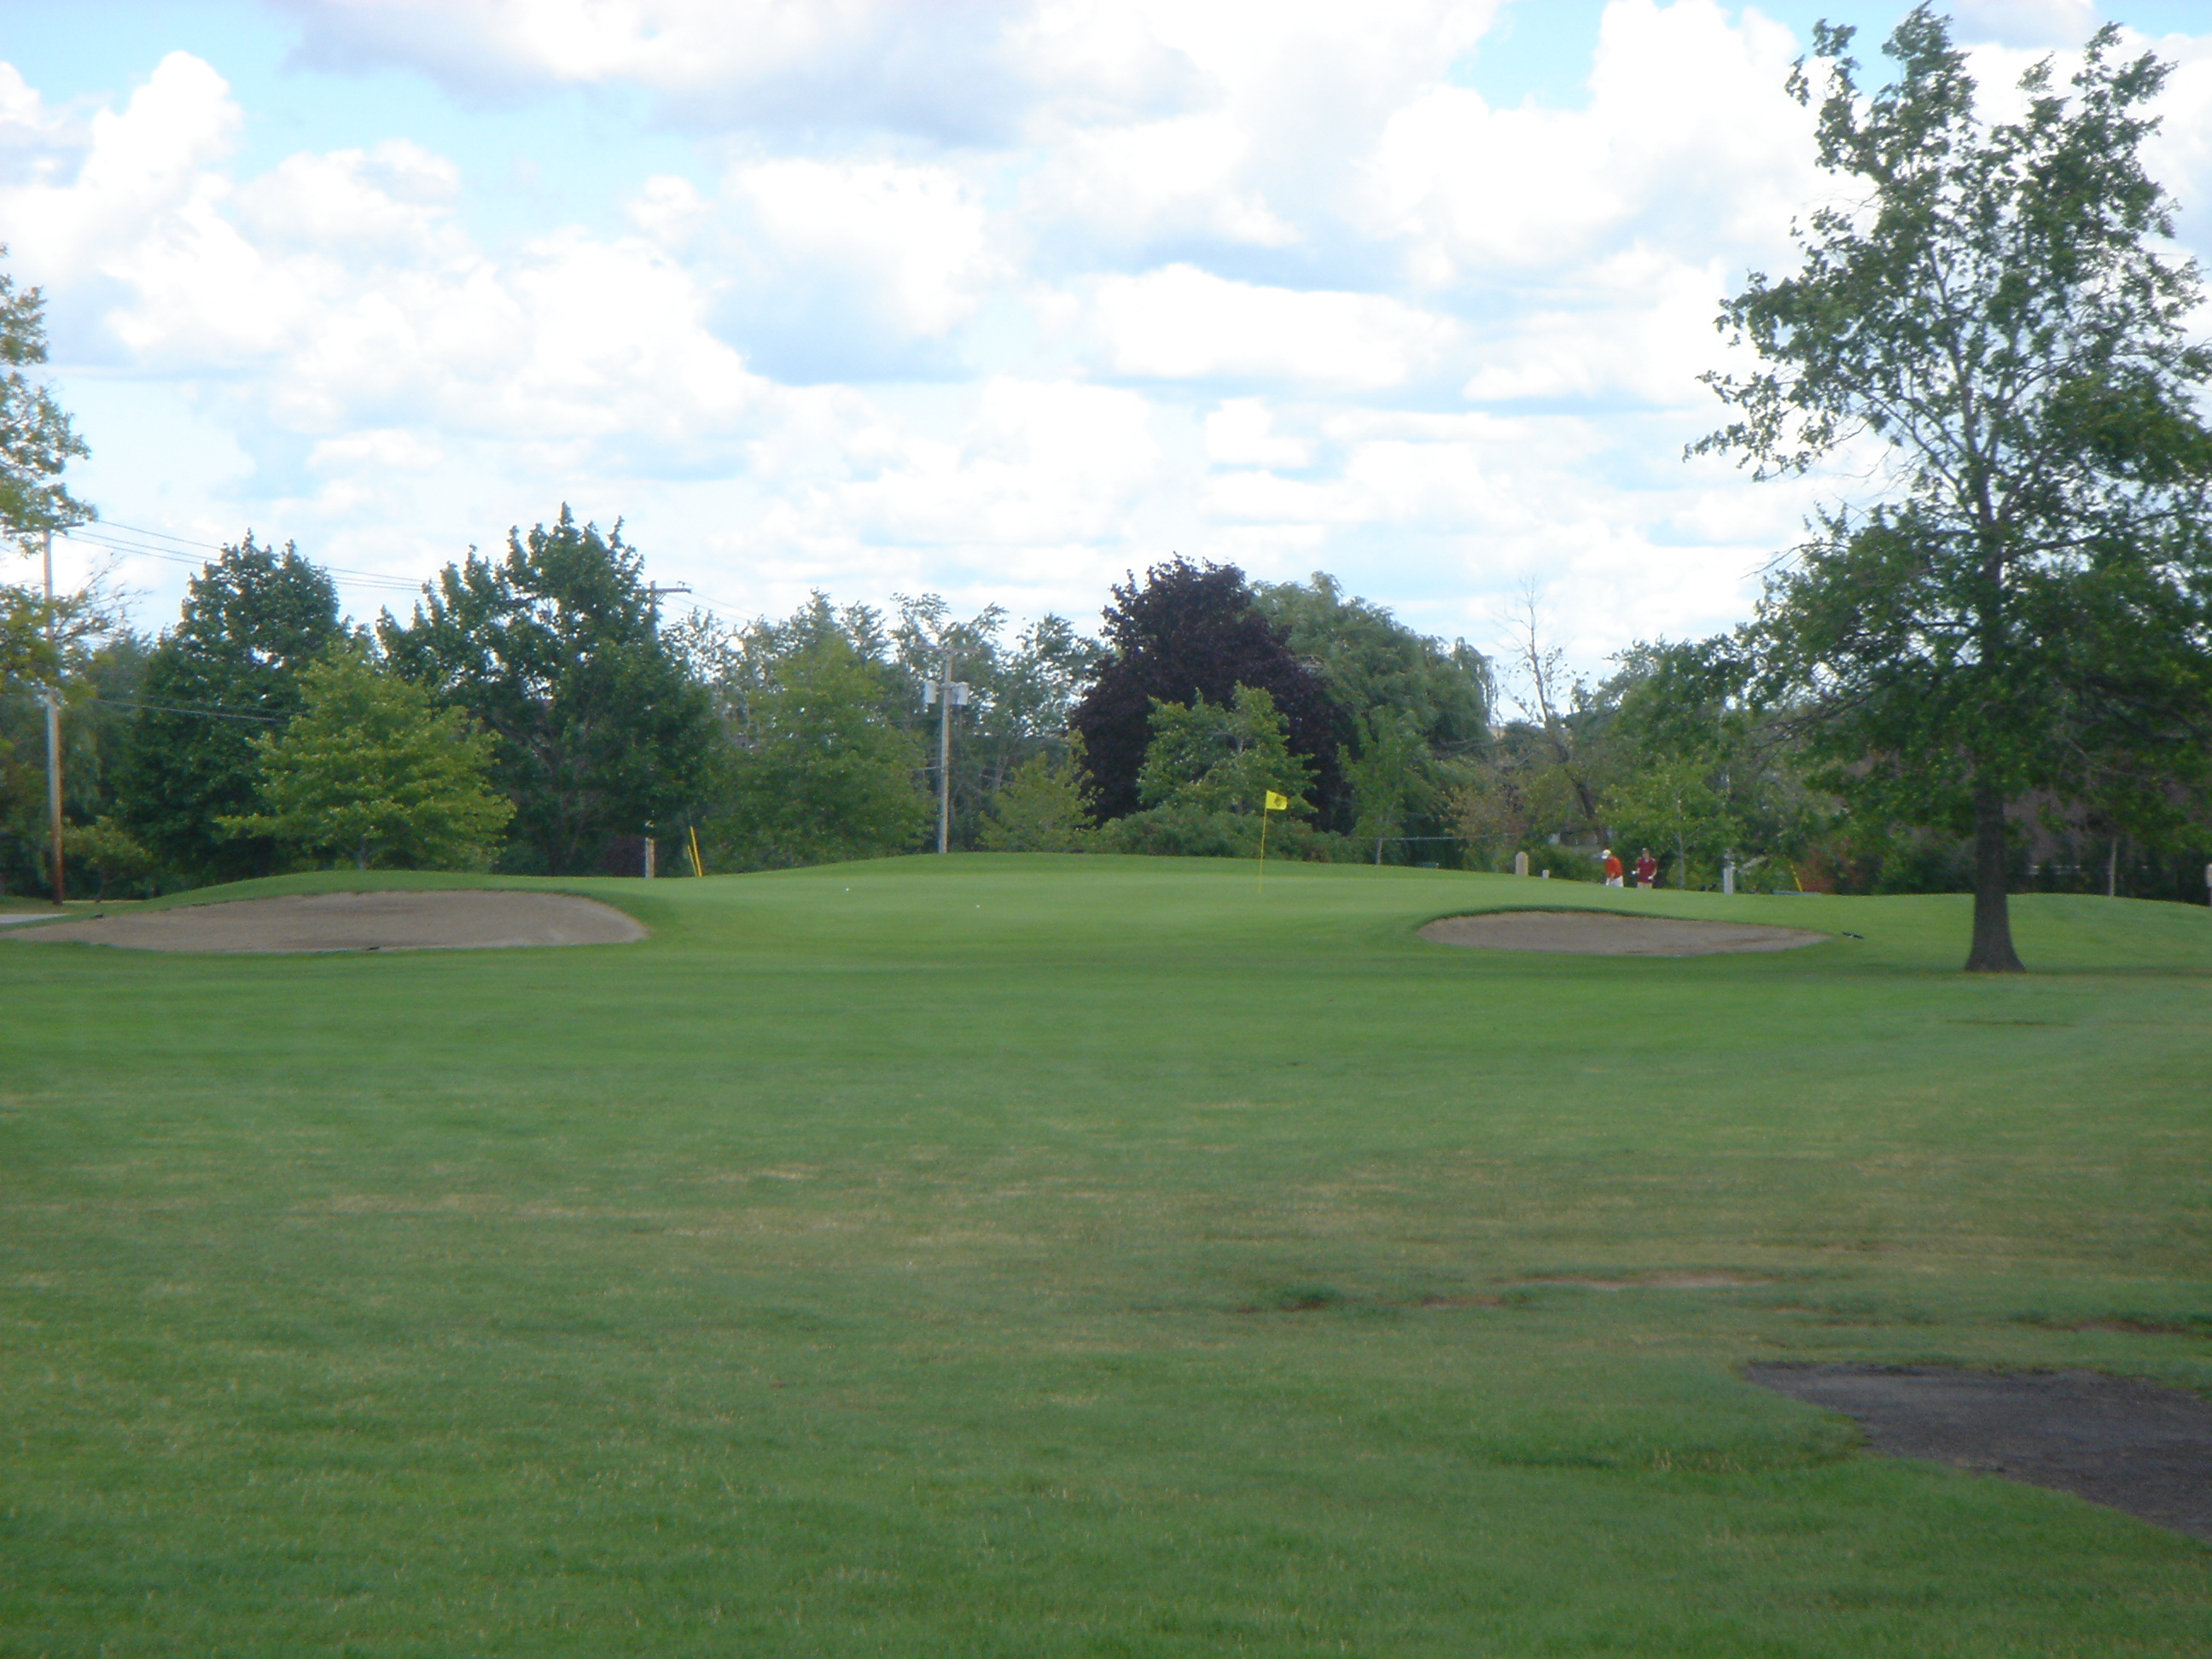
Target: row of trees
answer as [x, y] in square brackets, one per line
[2006, 650]
[533, 713]
[264, 731]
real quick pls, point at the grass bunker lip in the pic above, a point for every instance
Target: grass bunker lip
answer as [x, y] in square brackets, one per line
[411, 919]
[1610, 933]
[2129, 1445]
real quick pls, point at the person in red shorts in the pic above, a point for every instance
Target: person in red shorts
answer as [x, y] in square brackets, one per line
[1612, 868]
[1647, 869]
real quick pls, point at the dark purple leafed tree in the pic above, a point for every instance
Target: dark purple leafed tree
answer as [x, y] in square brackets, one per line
[1191, 630]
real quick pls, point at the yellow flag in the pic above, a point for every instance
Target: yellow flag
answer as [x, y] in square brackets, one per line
[1274, 802]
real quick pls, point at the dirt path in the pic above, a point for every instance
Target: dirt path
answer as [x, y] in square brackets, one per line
[2114, 1440]
[1602, 933]
[450, 919]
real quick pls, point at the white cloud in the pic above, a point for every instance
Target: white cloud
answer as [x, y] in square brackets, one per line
[1179, 179]
[1002, 299]
[681, 45]
[382, 451]
[149, 161]
[1241, 433]
[947, 69]
[1307, 71]
[1185, 324]
[2025, 22]
[911, 243]
[1038, 465]
[668, 211]
[392, 202]
[1635, 328]
[1688, 140]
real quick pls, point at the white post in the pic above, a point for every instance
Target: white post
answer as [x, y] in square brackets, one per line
[1521, 862]
[53, 739]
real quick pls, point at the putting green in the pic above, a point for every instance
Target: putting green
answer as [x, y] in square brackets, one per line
[1042, 1255]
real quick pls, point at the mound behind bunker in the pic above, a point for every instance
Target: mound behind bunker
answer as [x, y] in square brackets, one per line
[452, 919]
[1603, 934]
[2113, 1440]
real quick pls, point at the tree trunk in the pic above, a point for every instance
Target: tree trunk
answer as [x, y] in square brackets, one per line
[1992, 953]
[360, 855]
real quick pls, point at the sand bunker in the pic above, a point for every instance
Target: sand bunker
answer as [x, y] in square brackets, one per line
[2114, 1440]
[1601, 933]
[450, 919]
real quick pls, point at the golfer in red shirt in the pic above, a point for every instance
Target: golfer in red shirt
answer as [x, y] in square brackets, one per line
[1647, 868]
[1612, 869]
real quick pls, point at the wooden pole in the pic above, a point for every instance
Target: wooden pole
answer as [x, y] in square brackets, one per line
[944, 752]
[54, 736]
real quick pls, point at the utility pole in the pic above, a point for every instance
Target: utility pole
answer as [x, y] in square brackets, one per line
[653, 592]
[948, 694]
[53, 732]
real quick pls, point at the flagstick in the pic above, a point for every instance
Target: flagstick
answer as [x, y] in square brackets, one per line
[1263, 883]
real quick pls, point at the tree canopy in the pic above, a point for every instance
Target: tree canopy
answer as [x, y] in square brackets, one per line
[1039, 808]
[370, 769]
[1206, 775]
[821, 771]
[1370, 663]
[556, 650]
[1190, 631]
[37, 441]
[1222, 757]
[253, 619]
[1987, 306]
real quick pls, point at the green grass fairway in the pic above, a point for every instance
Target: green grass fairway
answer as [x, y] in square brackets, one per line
[1041, 1257]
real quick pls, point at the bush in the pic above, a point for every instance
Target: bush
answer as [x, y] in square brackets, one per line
[1041, 809]
[1188, 832]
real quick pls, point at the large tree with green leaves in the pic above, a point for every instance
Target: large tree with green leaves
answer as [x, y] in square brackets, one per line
[369, 770]
[822, 771]
[1040, 807]
[1418, 709]
[1694, 768]
[1987, 312]
[1205, 778]
[557, 650]
[37, 441]
[254, 618]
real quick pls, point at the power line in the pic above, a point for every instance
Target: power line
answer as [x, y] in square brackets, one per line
[98, 534]
[208, 713]
[202, 711]
[213, 547]
[118, 544]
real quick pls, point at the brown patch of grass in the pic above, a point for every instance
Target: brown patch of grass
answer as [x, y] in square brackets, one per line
[1656, 1281]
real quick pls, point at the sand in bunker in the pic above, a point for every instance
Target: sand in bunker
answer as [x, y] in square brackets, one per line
[455, 919]
[1602, 933]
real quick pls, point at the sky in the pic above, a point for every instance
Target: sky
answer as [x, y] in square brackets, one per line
[997, 299]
